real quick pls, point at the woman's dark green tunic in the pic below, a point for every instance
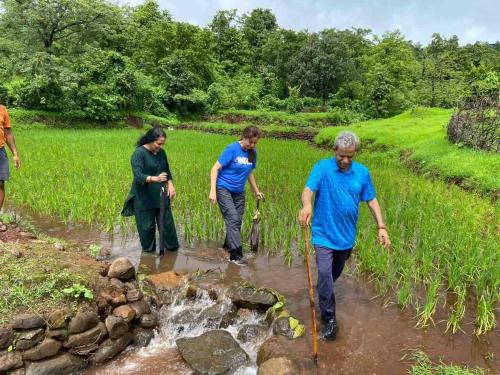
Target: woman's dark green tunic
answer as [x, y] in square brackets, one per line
[145, 196]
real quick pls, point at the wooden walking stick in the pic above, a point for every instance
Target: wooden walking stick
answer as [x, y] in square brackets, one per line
[161, 220]
[311, 296]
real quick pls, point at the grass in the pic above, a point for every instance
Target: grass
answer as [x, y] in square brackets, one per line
[445, 239]
[35, 282]
[420, 135]
[422, 365]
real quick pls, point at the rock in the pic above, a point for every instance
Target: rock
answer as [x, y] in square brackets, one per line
[116, 326]
[27, 321]
[140, 308]
[59, 246]
[281, 326]
[186, 317]
[47, 348]
[134, 295]
[29, 338]
[214, 352]
[6, 337]
[142, 337]
[279, 366]
[92, 336]
[250, 298]
[250, 332]
[220, 315]
[117, 285]
[10, 361]
[118, 299]
[131, 285]
[110, 348]
[149, 320]
[83, 321]
[125, 312]
[58, 319]
[122, 269]
[64, 364]
[58, 334]
[274, 347]
[167, 280]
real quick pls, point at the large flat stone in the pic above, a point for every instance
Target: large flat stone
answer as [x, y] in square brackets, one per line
[83, 321]
[110, 348]
[47, 348]
[92, 336]
[10, 361]
[63, 364]
[29, 338]
[250, 298]
[212, 353]
[167, 280]
[27, 321]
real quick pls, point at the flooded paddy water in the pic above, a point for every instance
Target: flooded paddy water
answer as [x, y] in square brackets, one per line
[372, 338]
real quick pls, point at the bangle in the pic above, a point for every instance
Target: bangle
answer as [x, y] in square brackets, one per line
[382, 227]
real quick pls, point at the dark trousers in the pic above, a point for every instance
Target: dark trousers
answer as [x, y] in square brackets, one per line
[330, 264]
[232, 207]
[148, 220]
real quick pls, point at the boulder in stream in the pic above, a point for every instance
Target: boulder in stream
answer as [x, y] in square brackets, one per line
[212, 353]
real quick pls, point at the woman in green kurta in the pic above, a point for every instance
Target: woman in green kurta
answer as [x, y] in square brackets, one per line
[151, 171]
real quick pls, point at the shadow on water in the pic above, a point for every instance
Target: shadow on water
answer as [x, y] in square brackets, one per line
[371, 340]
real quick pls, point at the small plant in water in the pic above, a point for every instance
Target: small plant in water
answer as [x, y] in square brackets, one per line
[94, 250]
[79, 290]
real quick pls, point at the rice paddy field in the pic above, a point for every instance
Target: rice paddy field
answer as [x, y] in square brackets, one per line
[445, 240]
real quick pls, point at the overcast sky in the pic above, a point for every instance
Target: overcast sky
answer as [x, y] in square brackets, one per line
[468, 19]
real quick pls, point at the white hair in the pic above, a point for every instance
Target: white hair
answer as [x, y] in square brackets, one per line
[346, 139]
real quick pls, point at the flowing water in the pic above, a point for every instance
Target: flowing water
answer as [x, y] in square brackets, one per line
[372, 338]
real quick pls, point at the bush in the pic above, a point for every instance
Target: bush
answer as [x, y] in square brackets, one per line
[477, 123]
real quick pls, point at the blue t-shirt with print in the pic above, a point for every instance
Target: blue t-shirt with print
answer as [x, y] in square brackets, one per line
[235, 168]
[336, 204]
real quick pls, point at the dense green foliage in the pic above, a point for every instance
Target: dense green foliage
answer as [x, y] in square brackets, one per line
[445, 239]
[95, 59]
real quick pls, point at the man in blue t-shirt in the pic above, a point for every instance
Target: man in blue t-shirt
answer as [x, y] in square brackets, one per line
[339, 185]
[228, 177]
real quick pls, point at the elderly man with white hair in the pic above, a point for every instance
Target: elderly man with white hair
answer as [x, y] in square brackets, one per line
[339, 185]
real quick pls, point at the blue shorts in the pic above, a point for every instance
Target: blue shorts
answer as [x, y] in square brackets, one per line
[4, 165]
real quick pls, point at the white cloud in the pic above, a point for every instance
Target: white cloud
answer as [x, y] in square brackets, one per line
[417, 19]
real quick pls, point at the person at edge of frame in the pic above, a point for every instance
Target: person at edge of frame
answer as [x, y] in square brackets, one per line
[6, 137]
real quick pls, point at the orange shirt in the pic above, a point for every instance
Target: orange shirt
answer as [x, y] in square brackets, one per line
[4, 124]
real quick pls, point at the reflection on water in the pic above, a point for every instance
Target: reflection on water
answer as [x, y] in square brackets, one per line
[371, 340]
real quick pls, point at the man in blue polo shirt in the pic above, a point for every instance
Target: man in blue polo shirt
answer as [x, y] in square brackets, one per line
[339, 185]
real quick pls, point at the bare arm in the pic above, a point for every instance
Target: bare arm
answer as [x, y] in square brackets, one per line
[383, 235]
[11, 142]
[305, 213]
[255, 188]
[214, 172]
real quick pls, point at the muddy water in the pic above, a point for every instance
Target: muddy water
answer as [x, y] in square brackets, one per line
[371, 340]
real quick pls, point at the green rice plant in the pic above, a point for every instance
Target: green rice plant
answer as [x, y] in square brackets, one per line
[421, 364]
